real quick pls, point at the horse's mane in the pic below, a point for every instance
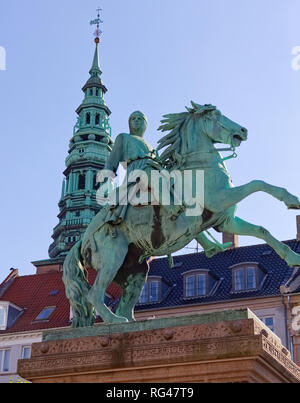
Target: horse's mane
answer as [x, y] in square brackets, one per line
[173, 123]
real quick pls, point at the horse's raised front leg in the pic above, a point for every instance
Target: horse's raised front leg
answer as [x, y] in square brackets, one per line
[112, 253]
[226, 198]
[235, 225]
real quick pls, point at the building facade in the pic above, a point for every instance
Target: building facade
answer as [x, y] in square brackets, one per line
[251, 277]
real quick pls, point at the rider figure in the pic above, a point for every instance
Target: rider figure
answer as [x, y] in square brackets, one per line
[135, 154]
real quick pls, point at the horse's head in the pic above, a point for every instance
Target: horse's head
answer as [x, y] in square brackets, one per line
[190, 131]
[218, 127]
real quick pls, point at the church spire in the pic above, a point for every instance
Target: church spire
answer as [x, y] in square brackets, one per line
[89, 149]
[95, 70]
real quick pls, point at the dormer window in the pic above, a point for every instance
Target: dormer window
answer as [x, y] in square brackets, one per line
[195, 285]
[244, 279]
[9, 313]
[151, 291]
[247, 277]
[3, 316]
[199, 283]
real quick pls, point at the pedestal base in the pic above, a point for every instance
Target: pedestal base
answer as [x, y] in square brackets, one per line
[227, 346]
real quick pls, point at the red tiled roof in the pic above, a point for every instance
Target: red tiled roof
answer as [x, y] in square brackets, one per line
[32, 293]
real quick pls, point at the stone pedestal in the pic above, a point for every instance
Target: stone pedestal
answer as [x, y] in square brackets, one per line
[224, 346]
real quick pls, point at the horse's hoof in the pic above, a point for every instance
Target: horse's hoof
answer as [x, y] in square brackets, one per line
[294, 207]
[292, 203]
[120, 319]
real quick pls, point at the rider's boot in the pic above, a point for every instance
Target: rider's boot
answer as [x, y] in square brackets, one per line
[175, 211]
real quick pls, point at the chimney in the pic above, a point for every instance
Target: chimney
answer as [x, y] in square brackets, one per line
[298, 227]
[48, 266]
[234, 239]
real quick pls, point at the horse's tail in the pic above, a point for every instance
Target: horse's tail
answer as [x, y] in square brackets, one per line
[77, 288]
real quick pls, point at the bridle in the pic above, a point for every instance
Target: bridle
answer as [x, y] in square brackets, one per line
[231, 148]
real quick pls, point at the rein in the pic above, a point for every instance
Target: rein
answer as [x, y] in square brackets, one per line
[234, 155]
[195, 156]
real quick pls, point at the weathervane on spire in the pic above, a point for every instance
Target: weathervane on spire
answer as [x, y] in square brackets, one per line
[97, 22]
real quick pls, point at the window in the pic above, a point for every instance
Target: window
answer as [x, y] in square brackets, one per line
[45, 313]
[150, 292]
[2, 318]
[9, 313]
[96, 184]
[268, 321]
[244, 278]
[72, 239]
[88, 118]
[97, 119]
[26, 350]
[97, 92]
[195, 285]
[81, 182]
[4, 360]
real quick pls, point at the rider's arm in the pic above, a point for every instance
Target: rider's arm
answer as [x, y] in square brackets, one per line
[116, 155]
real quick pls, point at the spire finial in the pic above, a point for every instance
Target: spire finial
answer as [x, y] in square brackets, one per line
[97, 22]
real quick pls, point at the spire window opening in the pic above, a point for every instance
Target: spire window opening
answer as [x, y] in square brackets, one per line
[88, 118]
[97, 119]
[96, 184]
[81, 182]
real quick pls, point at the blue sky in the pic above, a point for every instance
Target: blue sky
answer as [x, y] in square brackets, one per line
[156, 56]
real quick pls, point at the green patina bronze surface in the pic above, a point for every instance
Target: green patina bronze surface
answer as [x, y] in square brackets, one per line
[116, 243]
[89, 149]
